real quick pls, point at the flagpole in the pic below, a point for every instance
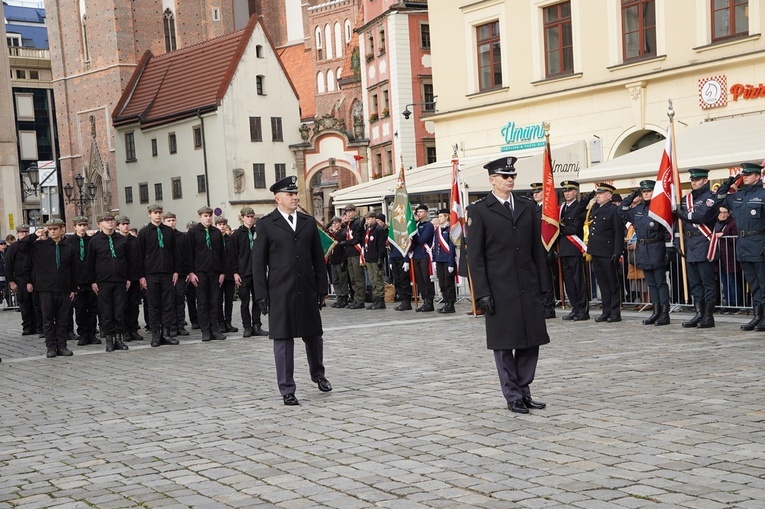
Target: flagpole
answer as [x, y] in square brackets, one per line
[678, 198]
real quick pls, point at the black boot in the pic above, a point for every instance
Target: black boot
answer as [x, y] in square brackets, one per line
[119, 344]
[230, 327]
[134, 336]
[663, 318]
[654, 316]
[94, 339]
[156, 339]
[110, 342]
[427, 305]
[708, 320]
[247, 332]
[448, 308]
[693, 322]
[406, 305]
[757, 310]
[83, 340]
[379, 303]
[760, 326]
[257, 330]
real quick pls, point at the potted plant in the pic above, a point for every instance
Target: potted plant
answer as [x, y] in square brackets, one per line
[385, 113]
[374, 117]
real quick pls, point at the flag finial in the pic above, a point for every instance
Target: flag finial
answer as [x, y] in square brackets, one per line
[670, 111]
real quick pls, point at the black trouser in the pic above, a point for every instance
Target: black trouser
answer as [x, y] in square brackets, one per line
[284, 358]
[26, 306]
[246, 293]
[179, 312]
[37, 311]
[446, 282]
[159, 296]
[608, 282]
[573, 279]
[422, 273]
[111, 302]
[401, 279]
[701, 278]
[191, 300]
[85, 306]
[208, 297]
[132, 306]
[226, 299]
[55, 307]
[754, 273]
[658, 288]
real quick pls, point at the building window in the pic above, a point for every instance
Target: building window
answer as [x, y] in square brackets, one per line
[730, 18]
[259, 51]
[259, 175]
[85, 48]
[428, 98]
[197, 130]
[425, 36]
[259, 84]
[328, 41]
[338, 40]
[378, 171]
[201, 184]
[154, 147]
[256, 130]
[375, 105]
[348, 31]
[319, 45]
[371, 44]
[280, 171]
[430, 154]
[388, 162]
[129, 146]
[34, 75]
[385, 101]
[172, 143]
[559, 46]
[489, 56]
[21, 74]
[638, 29]
[320, 82]
[276, 129]
[382, 40]
[129, 194]
[158, 191]
[176, 188]
[170, 44]
[215, 14]
[143, 192]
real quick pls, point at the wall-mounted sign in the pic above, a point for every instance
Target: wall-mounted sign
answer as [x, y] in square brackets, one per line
[522, 137]
[747, 91]
[713, 92]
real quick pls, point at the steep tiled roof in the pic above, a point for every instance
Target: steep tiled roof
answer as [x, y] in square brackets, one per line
[181, 83]
[298, 61]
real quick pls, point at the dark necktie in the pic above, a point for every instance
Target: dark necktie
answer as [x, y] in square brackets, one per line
[82, 249]
[58, 257]
[290, 218]
[249, 233]
[207, 238]
[509, 206]
[111, 247]
[160, 238]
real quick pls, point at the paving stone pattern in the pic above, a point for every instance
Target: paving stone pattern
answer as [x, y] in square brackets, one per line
[638, 416]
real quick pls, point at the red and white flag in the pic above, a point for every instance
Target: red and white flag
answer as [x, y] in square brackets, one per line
[457, 214]
[550, 209]
[663, 202]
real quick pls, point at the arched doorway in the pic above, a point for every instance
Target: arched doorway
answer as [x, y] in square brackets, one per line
[635, 140]
[325, 181]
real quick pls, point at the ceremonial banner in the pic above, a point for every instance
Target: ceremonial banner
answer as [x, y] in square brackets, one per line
[663, 202]
[402, 223]
[550, 208]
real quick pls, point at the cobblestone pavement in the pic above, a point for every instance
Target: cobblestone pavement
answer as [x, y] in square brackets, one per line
[637, 416]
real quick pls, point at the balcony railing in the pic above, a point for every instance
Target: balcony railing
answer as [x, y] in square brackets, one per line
[16, 51]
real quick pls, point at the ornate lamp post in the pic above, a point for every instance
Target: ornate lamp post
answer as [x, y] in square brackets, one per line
[34, 178]
[84, 196]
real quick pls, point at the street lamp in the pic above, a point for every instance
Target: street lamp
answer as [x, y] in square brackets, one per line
[34, 178]
[428, 107]
[85, 196]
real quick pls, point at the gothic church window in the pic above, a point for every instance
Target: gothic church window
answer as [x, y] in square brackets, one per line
[169, 21]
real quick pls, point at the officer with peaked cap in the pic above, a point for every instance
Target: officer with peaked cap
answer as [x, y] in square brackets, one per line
[241, 266]
[290, 278]
[698, 211]
[605, 244]
[508, 267]
[747, 206]
[571, 249]
[650, 250]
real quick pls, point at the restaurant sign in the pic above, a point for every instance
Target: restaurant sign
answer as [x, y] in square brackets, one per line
[522, 137]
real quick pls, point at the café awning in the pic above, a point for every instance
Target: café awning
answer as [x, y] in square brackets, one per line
[715, 145]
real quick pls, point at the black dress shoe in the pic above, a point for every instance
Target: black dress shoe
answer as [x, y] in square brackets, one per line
[612, 319]
[28, 332]
[518, 407]
[247, 332]
[217, 336]
[64, 352]
[601, 318]
[257, 330]
[51, 353]
[569, 316]
[183, 332]
[169, 341]
[290, 399]
[323, 383]
[581, 318]
[536, 405]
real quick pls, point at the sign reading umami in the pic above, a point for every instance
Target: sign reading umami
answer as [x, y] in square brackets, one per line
[521, 137]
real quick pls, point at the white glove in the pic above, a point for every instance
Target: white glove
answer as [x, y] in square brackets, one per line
[451, 269]
[405, 266]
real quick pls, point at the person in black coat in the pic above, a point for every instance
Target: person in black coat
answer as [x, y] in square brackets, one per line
[85, 303]
[205, 251]
[241, 266]
[509, 269]
[548, 299]
[571, 249]
[14, 273]
[605, 245]
[227, 289]
[133, 297]
[179, 306]
[290, 278]
[50, 272]
[108, 266]
[338, 265]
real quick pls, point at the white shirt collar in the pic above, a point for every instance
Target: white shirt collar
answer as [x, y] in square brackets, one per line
[292, 223]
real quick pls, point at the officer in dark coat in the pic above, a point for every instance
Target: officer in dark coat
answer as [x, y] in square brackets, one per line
[605, 244]
[698, 211]
[747, 206]
[571, 251]
[290, 277]
[509, 270]
[651, 251]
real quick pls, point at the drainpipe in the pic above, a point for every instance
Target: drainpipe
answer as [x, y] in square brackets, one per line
[204, 155]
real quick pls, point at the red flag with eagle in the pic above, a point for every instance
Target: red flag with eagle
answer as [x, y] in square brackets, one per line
[550, 209]
[663, 203]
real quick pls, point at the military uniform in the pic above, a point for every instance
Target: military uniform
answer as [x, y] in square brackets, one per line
[509, 272]
[571, 250]
[205, 251]
[339, 269]
[421, 261]
[15, 260]
[548, 299]
[179, 289]
[354, 236]
[445, 257]
[228, 288]
[374, 257]
[85, 303]
[650, 252]
[747, 206]
[240, 245]
[133, 296]
[698, 211]
[605, 245]
[290, 277]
